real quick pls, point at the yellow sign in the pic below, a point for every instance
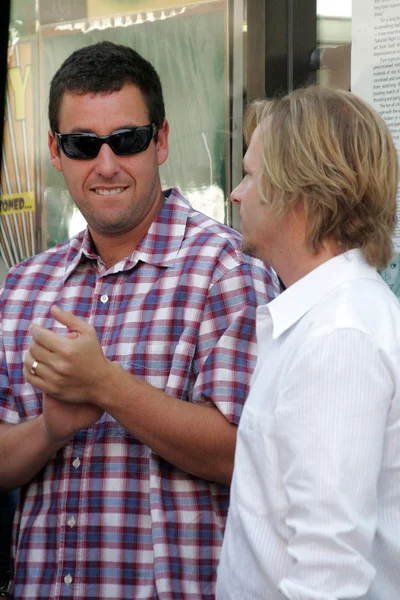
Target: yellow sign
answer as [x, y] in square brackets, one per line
[18, 196]
[16, 204]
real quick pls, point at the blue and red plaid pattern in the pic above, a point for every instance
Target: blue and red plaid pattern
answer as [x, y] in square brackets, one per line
[107, 518]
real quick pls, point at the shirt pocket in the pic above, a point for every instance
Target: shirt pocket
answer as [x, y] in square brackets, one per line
[151, 364]
[257, 484]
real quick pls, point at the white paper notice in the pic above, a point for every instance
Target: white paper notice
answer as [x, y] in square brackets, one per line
[375, 65]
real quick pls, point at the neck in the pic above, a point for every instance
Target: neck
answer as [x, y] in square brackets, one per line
[290, 256]
[297, 265]
[112, 249]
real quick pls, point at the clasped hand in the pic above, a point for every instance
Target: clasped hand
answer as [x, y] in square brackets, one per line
[69, 368]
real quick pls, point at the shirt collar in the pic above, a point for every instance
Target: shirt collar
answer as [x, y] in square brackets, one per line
[159, 247]
[303, 295]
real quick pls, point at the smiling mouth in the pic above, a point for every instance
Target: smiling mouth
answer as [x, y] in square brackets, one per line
[108, 191]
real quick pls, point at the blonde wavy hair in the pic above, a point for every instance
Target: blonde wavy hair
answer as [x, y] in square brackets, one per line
[333, 152]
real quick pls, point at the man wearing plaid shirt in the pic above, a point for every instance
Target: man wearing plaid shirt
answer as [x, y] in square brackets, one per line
[125, 359]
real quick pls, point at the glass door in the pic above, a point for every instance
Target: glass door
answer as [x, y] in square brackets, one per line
[196, 47]
[359, 49]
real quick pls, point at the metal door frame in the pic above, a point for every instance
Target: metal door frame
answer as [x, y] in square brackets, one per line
[4, 28]
[281, 36]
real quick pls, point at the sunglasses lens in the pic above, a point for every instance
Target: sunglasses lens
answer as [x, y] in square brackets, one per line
[124, 142]
[80, 146]
[131, 142]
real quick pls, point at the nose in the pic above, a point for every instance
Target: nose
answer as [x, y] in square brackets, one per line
[107, 164]
[235, 195]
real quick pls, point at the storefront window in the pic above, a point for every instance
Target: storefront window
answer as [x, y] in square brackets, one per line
[359, 49]
[333, 56]
[189, 46]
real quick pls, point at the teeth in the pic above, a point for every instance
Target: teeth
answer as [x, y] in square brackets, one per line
[109, 192]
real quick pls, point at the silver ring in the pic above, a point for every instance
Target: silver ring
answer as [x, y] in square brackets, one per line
[34, 366]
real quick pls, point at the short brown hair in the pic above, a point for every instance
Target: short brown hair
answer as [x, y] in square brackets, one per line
[103, 68]
[332, 151]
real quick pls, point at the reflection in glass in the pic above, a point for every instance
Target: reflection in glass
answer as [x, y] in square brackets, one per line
[191, 57]
[332, 57]
[392, 274]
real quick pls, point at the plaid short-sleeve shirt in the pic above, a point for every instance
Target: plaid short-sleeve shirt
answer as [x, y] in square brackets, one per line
[108, 518]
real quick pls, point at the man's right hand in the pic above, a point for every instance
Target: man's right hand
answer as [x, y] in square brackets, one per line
[28, 446]
[62, 420]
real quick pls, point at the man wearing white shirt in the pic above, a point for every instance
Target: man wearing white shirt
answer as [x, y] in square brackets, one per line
[315, 497]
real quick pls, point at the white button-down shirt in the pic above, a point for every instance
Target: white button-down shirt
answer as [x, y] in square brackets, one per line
[315, 503]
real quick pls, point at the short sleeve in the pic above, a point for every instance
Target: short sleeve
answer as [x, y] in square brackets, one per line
[226, 350]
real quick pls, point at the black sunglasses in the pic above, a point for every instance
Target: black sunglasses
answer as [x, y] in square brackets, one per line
[124, 142]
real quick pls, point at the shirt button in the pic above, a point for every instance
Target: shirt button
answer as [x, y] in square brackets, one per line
[71, 522]
[104, 298]
[68, 579]
[77, 462]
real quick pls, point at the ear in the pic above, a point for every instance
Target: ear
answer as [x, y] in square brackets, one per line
[162, 142]
[55, 158]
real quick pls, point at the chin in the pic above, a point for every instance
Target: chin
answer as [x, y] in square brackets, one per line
[248, 248]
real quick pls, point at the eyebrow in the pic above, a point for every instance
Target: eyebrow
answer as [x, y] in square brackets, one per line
[78, 129]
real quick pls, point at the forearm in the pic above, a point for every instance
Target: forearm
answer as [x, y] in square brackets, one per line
[24, 450]
[197, 439]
